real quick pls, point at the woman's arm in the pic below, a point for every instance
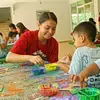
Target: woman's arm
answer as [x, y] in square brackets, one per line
[12, 57]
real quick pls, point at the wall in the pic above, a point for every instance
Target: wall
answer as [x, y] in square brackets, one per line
[65, 48]
[4, 27]
[26, 13]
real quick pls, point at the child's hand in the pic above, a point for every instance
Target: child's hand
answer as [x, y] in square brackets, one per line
[79, 78]
[6, 38]
[66, 59]
[36, 60]
[63, 66]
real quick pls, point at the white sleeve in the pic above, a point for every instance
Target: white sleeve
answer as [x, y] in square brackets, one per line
[76, 63]
[17, 36]
[98, 63]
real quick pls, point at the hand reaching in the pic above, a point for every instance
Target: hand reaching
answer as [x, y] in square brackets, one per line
[36, 60]
[66, 59]
[63, 66]
[79, 78]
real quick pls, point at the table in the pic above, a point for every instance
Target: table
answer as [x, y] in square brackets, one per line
[20, 76]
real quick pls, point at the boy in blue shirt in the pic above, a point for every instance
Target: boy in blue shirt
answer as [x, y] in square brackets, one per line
[86, 53]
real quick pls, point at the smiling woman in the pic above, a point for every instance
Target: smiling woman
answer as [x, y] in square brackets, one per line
[39, 45]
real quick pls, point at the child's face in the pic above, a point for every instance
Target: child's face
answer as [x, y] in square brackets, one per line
[78, 40]
[10, 28]
[47, 29]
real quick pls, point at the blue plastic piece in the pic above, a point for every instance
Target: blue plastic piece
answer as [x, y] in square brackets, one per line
[38, 70]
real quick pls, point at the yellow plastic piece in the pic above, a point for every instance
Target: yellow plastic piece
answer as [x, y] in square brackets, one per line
[50, 67]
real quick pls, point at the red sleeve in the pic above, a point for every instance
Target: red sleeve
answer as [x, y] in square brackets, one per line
[53, 56]
[99, 19]
[20, 46]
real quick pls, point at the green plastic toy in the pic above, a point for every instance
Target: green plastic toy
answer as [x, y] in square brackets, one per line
[88, 94]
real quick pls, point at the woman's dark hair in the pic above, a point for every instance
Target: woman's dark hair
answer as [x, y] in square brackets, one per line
[21, 27]
[47, 16]
[1, 34]
[11, 25]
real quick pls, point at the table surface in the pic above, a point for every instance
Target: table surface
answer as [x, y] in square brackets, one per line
[22, 76]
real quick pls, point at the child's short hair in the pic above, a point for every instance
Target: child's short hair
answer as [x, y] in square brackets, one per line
[11, 34]
[86, 28]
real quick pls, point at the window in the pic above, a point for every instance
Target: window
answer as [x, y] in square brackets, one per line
[81, 11]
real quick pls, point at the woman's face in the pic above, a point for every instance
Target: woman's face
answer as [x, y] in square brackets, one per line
[18, 30]
[47, 29]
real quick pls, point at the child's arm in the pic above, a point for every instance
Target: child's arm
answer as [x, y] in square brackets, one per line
[66, 59]
[89, 71]
[64, 63]
[2, 43]
[63, 66]
[13, 57]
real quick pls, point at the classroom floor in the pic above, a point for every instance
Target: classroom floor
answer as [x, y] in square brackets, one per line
[65, 48]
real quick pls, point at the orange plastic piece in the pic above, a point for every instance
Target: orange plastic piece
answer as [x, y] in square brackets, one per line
[12, 88]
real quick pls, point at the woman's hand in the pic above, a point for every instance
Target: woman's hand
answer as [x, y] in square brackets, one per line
[36, 60]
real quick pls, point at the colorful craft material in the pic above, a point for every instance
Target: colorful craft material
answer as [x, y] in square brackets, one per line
[17, 85]
[64, 98]
[37, 70]
[48, 90]
[70, 87]
[13, 89]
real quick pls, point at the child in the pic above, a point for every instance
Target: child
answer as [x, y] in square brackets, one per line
[2, 46]
[12, 34]
[21, 28]
[86, 53]
[39, 45]
[92, 69]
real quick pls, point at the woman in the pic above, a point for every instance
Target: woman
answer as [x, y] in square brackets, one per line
[21, 28]
[39, 45]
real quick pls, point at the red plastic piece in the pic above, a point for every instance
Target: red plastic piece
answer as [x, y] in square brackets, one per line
[48, 90]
